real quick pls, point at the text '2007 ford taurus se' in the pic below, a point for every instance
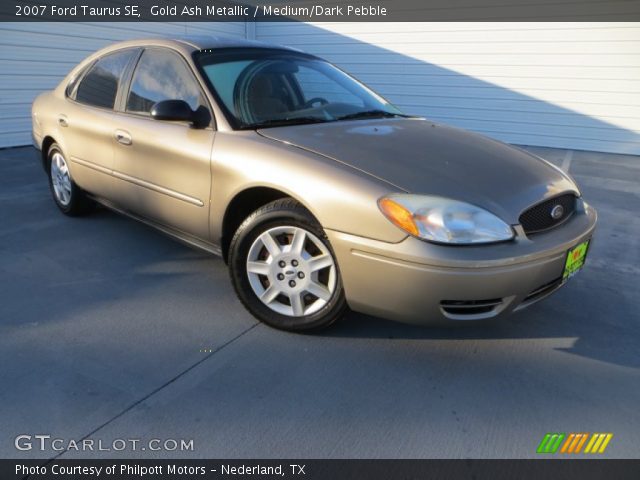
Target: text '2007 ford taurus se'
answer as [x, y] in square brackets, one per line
[318, 193]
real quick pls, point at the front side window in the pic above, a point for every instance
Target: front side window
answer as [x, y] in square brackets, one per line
[264, 87]
[99, 86]
[162, 75]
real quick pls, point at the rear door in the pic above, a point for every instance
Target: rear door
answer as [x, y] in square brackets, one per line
[87, 120]
[162, 168]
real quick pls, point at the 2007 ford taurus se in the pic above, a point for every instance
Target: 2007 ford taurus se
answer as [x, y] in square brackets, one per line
[318, 193]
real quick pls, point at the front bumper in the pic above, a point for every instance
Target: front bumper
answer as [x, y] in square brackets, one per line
[419, 282]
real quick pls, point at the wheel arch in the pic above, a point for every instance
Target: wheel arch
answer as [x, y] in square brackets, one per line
[242, 205]
[44, 151]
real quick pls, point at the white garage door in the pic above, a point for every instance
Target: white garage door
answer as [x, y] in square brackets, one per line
[569, 85]
[36, 56]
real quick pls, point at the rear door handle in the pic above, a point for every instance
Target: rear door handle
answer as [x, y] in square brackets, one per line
[123, 137]
[62, 121]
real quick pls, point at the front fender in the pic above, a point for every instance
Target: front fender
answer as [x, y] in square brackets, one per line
[340, 197]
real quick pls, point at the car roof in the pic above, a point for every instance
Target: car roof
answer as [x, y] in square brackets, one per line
[202, 42]
[198, 42]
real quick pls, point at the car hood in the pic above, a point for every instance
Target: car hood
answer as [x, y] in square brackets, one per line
[419, 156]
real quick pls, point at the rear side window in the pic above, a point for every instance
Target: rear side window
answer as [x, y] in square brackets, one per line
[71, 87]
[99, 86]
[162, 75]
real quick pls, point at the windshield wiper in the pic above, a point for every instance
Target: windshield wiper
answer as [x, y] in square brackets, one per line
[372, 114]
[281, 122]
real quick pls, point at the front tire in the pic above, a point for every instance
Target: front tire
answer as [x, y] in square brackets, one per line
[69, 198]
[284, 270]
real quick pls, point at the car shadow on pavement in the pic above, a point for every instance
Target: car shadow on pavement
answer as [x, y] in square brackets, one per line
[564, 315]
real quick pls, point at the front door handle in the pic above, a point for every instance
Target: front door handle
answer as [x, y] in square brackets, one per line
[123, 137]
[62, 121]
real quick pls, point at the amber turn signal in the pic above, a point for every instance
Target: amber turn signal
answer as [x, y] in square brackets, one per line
[399, 215]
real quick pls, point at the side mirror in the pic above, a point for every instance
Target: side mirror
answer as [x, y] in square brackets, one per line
[180, 111]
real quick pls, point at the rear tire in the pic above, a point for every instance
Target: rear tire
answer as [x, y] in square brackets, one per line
[284, 270]
[70, 199]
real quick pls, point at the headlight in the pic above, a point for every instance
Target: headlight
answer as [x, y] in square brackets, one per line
[442, 220]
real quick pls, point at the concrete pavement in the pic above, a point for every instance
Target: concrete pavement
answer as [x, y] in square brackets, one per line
[110, 330]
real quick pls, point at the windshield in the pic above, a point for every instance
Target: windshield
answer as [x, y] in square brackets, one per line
[261, 88]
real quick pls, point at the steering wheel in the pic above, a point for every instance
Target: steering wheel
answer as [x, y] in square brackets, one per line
[320, 100]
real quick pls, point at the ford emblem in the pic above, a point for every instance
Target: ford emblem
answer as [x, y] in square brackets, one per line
[557, 212]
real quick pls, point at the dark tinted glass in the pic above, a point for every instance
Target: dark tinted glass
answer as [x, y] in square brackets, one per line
[71, 87]
[162, 75]
[100, 85]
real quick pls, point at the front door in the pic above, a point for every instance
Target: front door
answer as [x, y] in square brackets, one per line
[162, 169]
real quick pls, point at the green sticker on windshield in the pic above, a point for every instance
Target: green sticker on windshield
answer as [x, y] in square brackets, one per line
[575, 259]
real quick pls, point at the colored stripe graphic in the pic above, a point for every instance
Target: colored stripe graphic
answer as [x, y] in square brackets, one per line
[573, 443]
[543, 443]
[568, 442]
[598, 443]
[550, 443]
[581, 443]
[605, 443]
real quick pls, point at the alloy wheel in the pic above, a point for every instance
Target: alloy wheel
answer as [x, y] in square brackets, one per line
[291, 271]
[60, 179]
